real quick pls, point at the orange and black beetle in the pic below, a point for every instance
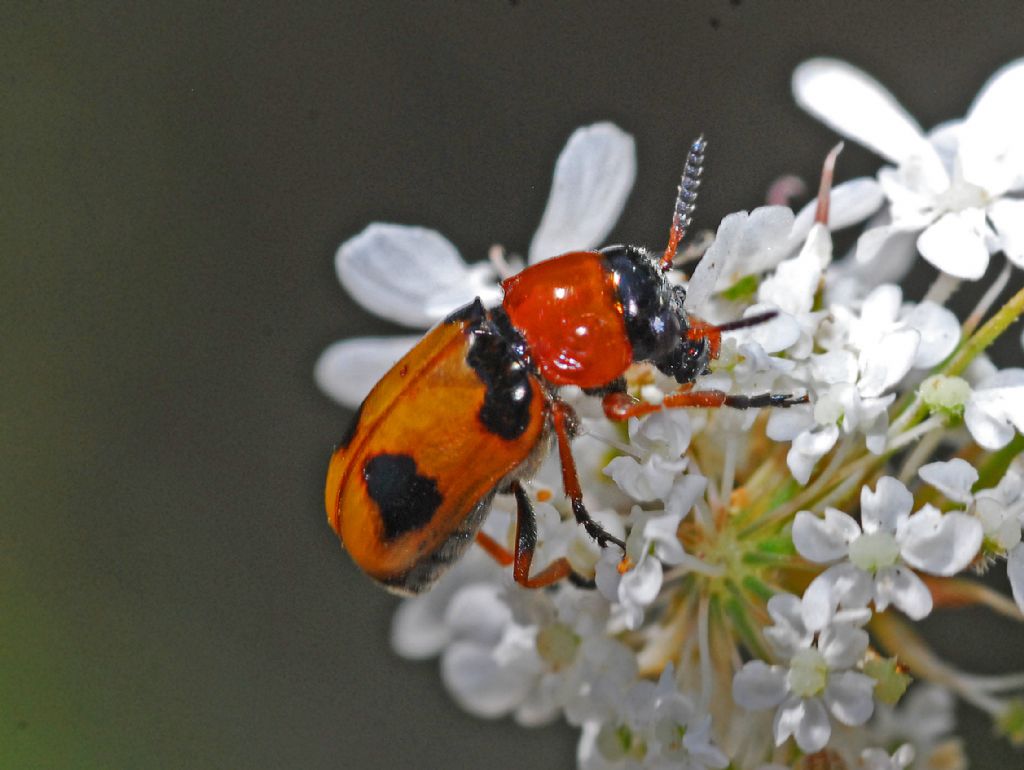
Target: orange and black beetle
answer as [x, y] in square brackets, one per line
[472, 408]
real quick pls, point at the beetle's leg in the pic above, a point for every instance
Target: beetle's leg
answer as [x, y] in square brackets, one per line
[526, 543]
[563, 417]
[622, 406]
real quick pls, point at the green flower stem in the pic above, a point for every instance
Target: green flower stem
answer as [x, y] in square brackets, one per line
[987, 334]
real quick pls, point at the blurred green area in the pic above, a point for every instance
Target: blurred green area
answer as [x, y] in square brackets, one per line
[174, 179]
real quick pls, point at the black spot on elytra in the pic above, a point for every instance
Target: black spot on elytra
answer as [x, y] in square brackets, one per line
[506, 408]
[352, 428]
[406, 500]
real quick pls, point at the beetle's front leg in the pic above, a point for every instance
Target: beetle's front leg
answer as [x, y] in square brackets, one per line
[565, 420]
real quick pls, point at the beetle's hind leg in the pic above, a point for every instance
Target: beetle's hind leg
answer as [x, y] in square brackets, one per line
[526, 543]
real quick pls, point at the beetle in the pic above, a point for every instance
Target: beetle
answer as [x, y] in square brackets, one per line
[472, 409]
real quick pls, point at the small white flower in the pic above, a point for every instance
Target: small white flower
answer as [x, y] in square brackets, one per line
[817, 679]
[951, 188]
[869, 353]
[659, 441]
[1000, 510]
[751, 244]
[655, 726]
[745, 244]
[652, 543]
[492, 663]
[415, 276]
[923, 719]
[871, 560]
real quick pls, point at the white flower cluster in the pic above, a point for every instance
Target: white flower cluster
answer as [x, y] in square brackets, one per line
[760, 616]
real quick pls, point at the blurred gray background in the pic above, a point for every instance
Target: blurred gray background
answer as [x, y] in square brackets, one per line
[174, 181]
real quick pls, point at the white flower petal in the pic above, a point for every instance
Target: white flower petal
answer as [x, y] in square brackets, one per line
[836, 366]
[347, 370]
[661, 532]
[885, 508]
[955, 244]
[476, 612]
[773, 336]
[1015, 571]
[881, 307]
[849, 696]
[940, 544]
[990, 433]
[787, 424]
[903, 588]
[1007, 218]
[607, 575]
[686, 491]
[953, 478]
[842, 583]
[759, 686]
[817, 442]
[992, 148]
[824, 540]
[706, 275]
[795, 281]
[806, 720]
[698, 742]
[999, 100]
[843, 647]
[876, 244]
[788, 634]
[480, 684]
[666, 432]
[884, 364]
[763, 243]
[398, 272]
[784, 609]
[648, 480]
[857, 106]
[996, 408]
[593, 177]
[809, 447]
[939, 330]
[641, 584]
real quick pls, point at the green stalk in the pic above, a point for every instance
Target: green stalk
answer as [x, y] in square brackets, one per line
[987, 334]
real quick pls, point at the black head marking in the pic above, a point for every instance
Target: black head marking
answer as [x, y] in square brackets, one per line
[407, 501]
[506, 408]
[651, 308]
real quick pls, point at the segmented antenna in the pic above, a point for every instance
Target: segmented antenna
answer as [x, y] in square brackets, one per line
[686, 200]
